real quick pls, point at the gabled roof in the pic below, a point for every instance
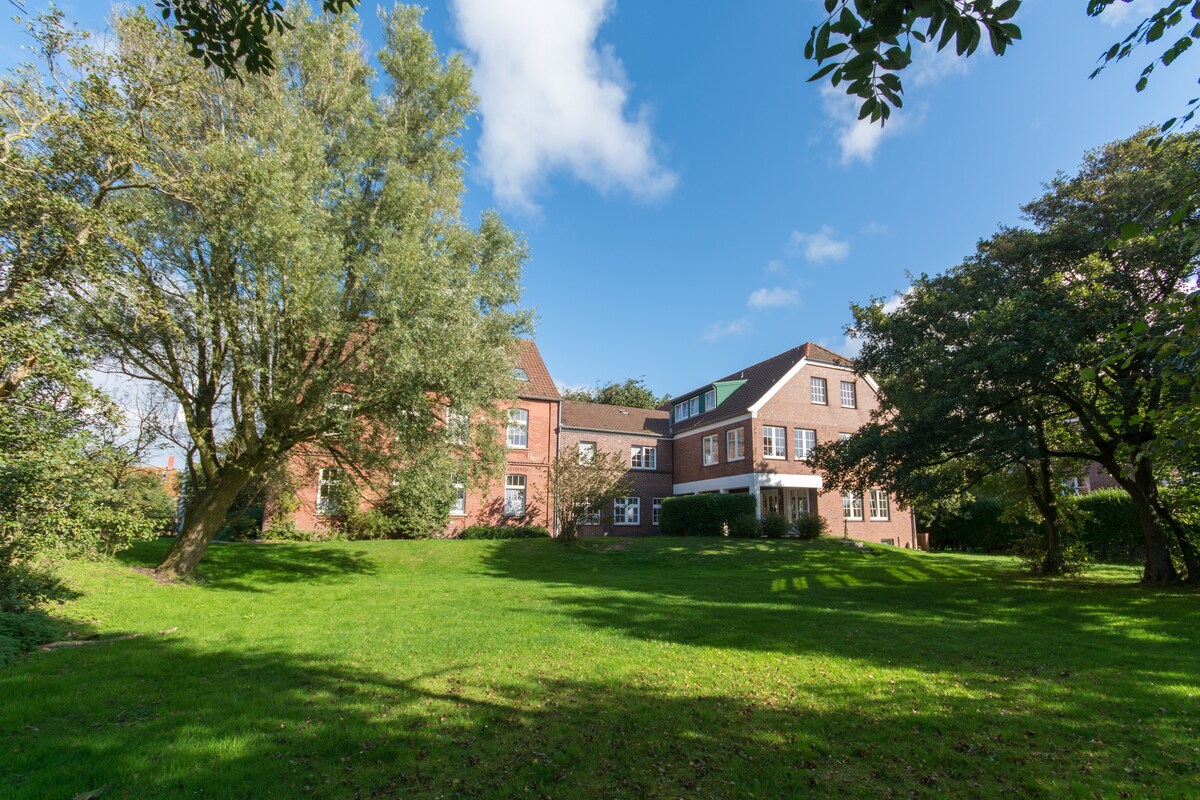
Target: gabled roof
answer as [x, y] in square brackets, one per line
[759, 378]
[619, 419]
[539, 386]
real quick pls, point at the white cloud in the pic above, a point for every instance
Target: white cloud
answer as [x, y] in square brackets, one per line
[820, 246]
[858, 139]
[552, 98]
[776, 267]
[719, 330]
[874, 228]
[773, 298]
[892, 305]
[1122, 13]
[850, 348]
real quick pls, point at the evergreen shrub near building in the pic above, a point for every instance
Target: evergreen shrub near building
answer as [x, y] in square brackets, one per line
[775, 526]
[504, 532]
[1107, 524]
[810, 526]
[980, 525]
[705, 514]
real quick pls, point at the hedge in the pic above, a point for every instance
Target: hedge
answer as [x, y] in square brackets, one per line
[704, 514]
[1108, 524]
[980, 525]
[504, 532]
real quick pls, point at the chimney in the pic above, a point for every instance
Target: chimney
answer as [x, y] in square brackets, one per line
[170, 463]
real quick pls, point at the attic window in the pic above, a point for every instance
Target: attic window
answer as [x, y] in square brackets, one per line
[520, 374]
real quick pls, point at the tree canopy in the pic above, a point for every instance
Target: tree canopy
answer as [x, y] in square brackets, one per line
[633, 393]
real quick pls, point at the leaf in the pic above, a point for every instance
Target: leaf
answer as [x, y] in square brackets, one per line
[1131, 230]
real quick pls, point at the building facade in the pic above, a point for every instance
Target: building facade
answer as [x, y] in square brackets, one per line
[750, 431]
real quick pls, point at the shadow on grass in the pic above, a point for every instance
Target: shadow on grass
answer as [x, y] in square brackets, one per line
[890, 608]
[254, 567]
[157, 718]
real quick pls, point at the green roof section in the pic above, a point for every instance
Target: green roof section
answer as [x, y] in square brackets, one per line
[726, 388]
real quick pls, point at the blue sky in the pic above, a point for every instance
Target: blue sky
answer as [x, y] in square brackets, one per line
[692, 205]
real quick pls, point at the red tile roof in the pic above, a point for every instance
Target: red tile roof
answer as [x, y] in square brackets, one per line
[539, 386]
[620, 419]
[759, 378]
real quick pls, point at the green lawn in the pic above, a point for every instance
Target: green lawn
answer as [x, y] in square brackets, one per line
[647, 668]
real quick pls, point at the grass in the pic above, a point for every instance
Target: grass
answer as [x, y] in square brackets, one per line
[617, 669]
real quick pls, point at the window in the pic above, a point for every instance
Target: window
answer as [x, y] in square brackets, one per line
[627, 511]
[459, 507]
[710, 399]
[879, 504]
[520, 374]
[735, 448]
[587, 516]
[819, 395]
[774, 442]
[843, 436]
[643, 457]
[514, 496]
[587, 452]
[694, 406]
[518, 427]
[1077, 485]
[892, 542]
[328, 481]
[681, 411]
[458, 426]
[709, 450]
[849, 395]
[805, 439]
[655, 510]
[852, 505]
[798, 503]
[340, 408]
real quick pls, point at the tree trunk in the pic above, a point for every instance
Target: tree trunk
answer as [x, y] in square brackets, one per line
[1159, 569]
[1191, 557]
[202, 521]
[1042, 492]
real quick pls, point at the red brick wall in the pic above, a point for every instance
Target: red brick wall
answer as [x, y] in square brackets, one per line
[647, 484]
[689, 455]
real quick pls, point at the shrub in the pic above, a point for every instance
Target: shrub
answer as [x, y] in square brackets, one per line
[504, 532]
[981, 525]
[810, 526]
[20, 633]
[744, 526]
[775, 526]
[1108, 524]
[24, 582]
[247, 526]
[704, 514]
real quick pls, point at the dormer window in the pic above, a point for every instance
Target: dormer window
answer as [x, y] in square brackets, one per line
[710, 399]
[520, 374]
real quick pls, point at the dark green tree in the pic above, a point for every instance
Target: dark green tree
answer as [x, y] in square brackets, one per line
[632, 393]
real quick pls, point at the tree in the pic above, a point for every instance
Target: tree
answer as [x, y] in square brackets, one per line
[867, 45]
[226, 33]
[585, 488]
[292, 268]
[633, 393]
[990, 364]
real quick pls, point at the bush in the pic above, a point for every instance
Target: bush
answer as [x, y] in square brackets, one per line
[246, 527]
[981, 525]
[745, 526]
[775, 526]
[1108, 525]
[504, 532]
[24, 582]
[704, 514]
[810, 526]
[20, 633]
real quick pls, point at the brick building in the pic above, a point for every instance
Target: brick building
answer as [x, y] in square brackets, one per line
[642, 438]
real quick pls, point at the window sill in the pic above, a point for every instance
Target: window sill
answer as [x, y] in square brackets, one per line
[518, 447]
[852, 519]
[739, 458]
[626, 524]
[775, 458]
[458, 513]
[818, 403]
[881, 519]
[644, 469]
[846, 406]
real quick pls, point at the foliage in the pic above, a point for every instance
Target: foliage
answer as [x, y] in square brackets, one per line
[582, 488]
[745, 526]
[26, 582]
[20, 633]
[810, 526]
[990, 367]
[775, 526]
[704, 514]
[633, 393]
[981, 525]
[285, 256]
[504, 532]
[245, 527]
[1108, 524]
[226, 33]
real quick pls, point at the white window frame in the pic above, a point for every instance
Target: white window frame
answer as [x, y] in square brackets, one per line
[458, 427]
[819, 391]
[587, 516]
[587, 452]
[655, 510]
[798, 502]
[852, 501]
[520, 374]
[643, 456]
[459, 508]
[694, 406]
[710, 399]
[778, 440]
[803, 445]
[849, 391]
[710, 454]
[518, 429]
[328, 478]
[735, 444]
[880, 507]
[627, 511]
[515, 486]
[681, 411]
[843, 436]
